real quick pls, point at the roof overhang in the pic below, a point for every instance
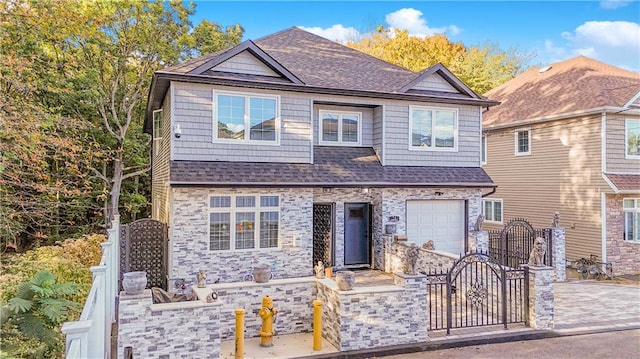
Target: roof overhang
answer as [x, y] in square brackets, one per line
[554, 117]
[331, 184]
[616, 188]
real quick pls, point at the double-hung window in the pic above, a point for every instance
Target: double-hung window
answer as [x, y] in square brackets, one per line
[632, 138]
[340, 128]
[523, 142]
[492, 210]
[243, 222]
[631, 210]
[433, 128]
[250, 118]
[483, 150]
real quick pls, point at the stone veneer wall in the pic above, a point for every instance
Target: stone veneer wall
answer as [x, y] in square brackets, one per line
[370, 317]
[428, 260]
[541, 299]
[559, 257]
[171, 330]
[189, 237]
[478, 241]
[293, 298]
[624, 255]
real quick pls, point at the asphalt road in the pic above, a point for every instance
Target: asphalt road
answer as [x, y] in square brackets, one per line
[610, 345]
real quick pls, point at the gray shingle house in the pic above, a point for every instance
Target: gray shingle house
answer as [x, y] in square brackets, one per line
[292, 149]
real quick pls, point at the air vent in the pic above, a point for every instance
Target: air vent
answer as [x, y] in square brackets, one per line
[544, 69]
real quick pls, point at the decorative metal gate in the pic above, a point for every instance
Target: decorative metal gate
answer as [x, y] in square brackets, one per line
[512, 245]
[477, 292]
[144, 247]
[323, 234]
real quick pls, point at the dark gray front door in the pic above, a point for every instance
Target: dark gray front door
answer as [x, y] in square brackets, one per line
[356, 233]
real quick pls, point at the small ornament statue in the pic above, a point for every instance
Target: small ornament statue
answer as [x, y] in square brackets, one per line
[428, 245]
[556, 220]
[202, 278]
[319, 268]
[412, 259]
[536, 258]
[479, 221]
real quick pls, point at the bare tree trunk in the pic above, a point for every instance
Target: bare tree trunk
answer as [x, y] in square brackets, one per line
[116, 183]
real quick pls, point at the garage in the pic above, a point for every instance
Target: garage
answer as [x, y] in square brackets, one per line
[439, 220]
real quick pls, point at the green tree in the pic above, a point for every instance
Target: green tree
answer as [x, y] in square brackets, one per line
[482, 68]
[37, 310]
[209, 37]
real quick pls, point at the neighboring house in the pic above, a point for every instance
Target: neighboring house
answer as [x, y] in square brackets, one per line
[566, 138]
[294, 148]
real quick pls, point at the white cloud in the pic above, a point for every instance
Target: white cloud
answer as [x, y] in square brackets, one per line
[336, 32]
[613, 42]
[614, 4]
[412, 20]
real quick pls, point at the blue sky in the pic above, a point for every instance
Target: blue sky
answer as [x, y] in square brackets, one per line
[607, 31]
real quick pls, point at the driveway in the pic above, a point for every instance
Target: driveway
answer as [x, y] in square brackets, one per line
[592, 305]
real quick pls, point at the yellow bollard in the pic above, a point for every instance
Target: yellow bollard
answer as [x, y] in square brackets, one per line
[239, 333]
[317, 324]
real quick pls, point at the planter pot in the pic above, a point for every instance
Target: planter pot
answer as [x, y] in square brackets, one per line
[345, 280]
[261, 273]
[134, 282]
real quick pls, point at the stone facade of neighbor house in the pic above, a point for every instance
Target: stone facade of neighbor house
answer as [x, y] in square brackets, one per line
[555, 144]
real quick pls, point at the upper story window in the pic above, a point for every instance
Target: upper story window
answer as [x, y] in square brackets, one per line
[157, 130]
[631, 209]
[492, 210]
[483, 154]
[433, 128]
[523, 142]
[340, 128]
[243, 222]
[251, 118]
[632, 138]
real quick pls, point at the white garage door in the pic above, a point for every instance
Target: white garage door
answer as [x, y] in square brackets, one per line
[441, 221]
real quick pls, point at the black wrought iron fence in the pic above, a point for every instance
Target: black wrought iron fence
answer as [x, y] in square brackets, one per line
[512, 245]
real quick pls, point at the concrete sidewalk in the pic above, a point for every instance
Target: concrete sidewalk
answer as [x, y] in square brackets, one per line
[581, 307]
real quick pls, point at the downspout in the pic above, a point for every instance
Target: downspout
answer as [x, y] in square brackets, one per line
[490, 192]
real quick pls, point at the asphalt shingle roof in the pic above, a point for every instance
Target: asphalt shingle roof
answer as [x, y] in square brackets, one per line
[625, 182]
[576, 84]
[333, 166]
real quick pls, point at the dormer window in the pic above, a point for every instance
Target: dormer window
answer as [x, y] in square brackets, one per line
[340, 128]
[433, 129]
[249, 118]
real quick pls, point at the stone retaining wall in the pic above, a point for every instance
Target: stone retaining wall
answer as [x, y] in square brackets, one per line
[428, 260]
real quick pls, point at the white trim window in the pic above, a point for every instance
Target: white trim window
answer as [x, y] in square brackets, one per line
[234, 113]
[631, 212]
[632, 138]
[239, 222]
[483, 153]
[492, 210]
[434, 129]
[157, 131]
[522, 142]
[340, 128]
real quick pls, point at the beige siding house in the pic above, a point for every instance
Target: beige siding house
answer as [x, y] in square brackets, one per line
[566, 138]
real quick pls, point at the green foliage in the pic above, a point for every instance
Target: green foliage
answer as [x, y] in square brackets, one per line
[38, 309]
[481, 68]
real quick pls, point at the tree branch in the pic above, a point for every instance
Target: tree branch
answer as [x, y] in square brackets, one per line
[136, 173]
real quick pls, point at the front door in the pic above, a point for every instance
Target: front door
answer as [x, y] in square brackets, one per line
[356, 234]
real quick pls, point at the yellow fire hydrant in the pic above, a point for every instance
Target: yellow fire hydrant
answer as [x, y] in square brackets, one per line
[267, 313]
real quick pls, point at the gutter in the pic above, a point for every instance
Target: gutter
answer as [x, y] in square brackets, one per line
[329, 184]
[490, 192]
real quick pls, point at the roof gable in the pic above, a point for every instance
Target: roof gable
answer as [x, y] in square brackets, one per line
[438, 78]
[565, 87]
[256, 62]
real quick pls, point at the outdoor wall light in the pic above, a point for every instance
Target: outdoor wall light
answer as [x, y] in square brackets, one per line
[177, 131]
[365, 190]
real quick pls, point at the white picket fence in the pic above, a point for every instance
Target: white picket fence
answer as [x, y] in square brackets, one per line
[90, 336]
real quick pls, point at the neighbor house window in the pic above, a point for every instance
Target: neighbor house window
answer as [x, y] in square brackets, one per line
[632, 138]
[631, 210]
[243, 222]
[157, 130]
[248, 118]
[523, 142]
[433, 128]
[342, 128]
[492, 210]
[483, 154]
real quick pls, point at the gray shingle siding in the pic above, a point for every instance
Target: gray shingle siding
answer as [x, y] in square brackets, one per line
[378, 114]
[366, 117]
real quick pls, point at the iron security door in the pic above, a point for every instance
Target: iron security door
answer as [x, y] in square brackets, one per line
[323, 245]
[356, 233]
